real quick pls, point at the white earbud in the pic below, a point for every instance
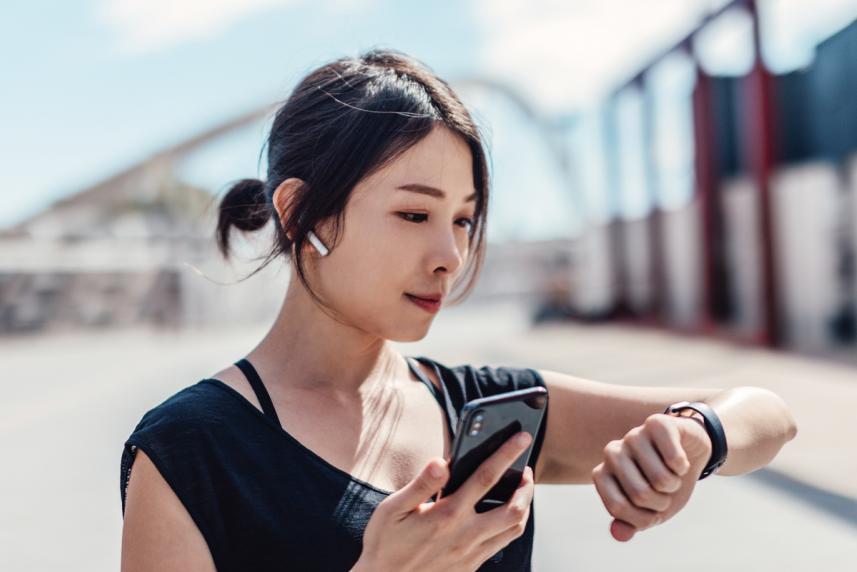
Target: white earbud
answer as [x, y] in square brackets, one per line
[318, 244]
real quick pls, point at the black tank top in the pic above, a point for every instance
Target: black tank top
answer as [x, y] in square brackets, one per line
[262, 500]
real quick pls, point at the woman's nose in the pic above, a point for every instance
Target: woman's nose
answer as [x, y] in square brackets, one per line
[447, 252]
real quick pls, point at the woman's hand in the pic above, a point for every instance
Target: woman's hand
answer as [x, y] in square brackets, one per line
[407, 533]
[648, 475]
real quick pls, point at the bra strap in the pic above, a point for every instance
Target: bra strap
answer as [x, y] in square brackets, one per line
[424, 378]
[442, 396]
[259, 388]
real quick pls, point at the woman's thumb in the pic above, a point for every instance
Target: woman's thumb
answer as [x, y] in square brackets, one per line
[422, 487]
[621, 530]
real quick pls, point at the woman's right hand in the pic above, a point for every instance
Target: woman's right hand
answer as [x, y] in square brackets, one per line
[407, 533]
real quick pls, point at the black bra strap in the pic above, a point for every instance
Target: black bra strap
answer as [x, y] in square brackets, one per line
[442, 397]
[261, 393]
[424, 378]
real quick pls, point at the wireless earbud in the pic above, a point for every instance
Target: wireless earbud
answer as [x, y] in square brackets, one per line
[317, 243]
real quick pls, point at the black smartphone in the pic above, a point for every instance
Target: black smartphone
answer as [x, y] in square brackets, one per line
[483, 426]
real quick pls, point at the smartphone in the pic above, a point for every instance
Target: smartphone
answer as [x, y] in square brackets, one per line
[483, 426]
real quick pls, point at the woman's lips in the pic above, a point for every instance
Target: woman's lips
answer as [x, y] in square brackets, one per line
[428, 305]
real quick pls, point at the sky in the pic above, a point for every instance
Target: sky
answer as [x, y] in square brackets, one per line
[90, 87]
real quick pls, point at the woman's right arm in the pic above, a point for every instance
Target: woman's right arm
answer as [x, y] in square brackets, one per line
[158, 532]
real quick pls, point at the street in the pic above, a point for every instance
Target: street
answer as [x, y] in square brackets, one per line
[70, 401]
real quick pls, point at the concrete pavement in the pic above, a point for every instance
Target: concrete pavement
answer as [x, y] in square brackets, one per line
[70, 400]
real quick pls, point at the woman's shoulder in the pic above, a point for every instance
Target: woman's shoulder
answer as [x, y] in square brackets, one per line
[188, 436]
[197, 407]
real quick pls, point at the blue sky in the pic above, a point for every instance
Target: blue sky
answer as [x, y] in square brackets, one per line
[78, 106]
[89, 95]
[90, 87]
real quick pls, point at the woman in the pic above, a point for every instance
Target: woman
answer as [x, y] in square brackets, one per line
[323, 447]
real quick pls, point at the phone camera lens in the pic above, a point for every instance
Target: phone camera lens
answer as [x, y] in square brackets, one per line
[476, 425]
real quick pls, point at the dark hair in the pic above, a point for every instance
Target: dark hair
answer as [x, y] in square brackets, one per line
[344, 121]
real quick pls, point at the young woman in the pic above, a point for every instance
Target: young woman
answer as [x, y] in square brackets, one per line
[322, 448]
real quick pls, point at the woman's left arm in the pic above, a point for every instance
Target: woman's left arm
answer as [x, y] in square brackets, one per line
[757, 423]
[644, 463]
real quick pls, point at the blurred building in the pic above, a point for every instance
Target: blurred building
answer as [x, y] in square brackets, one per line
[115, 255]
[139, 249]
[725, 203]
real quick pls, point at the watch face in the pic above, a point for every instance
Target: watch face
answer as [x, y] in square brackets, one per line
[680, 411]
[676, 407]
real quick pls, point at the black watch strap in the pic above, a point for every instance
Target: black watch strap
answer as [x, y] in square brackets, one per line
[713, 427]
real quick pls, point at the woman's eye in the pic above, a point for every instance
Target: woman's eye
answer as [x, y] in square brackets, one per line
[422, 217]
[406, 215]
[468, 222]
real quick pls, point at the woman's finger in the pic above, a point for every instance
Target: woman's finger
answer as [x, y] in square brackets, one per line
[621, 530]
[490, 471]
[618, 504]
[649, 460]
[667, 440]
[419, 489]
[498, 542]
[621, 465]
[496, 520]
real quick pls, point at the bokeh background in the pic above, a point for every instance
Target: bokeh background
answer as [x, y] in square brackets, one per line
[674, 202]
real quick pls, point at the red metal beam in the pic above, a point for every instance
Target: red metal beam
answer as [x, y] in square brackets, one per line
[706, 184]
[759, 133]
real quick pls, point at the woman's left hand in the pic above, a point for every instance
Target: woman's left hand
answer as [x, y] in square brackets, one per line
[648, 475]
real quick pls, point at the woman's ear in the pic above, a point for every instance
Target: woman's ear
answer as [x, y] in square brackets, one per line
[283, 198]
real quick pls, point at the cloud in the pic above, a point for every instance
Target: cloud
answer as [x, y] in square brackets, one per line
[565, 54]
[145, 26]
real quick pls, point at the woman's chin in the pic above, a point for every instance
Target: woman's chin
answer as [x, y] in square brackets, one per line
[412, 335]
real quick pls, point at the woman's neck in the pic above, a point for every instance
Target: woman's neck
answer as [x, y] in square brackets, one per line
[306, 348]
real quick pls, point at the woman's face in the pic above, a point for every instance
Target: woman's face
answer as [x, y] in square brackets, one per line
[397, 240]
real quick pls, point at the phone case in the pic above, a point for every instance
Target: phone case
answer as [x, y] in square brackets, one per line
[484, 425]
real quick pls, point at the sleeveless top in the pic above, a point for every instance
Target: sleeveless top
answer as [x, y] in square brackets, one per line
[262, 500]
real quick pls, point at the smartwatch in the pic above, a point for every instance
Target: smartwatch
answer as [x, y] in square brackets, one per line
[713, 427]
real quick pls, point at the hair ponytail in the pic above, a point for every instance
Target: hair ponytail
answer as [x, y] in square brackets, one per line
[245, 207]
